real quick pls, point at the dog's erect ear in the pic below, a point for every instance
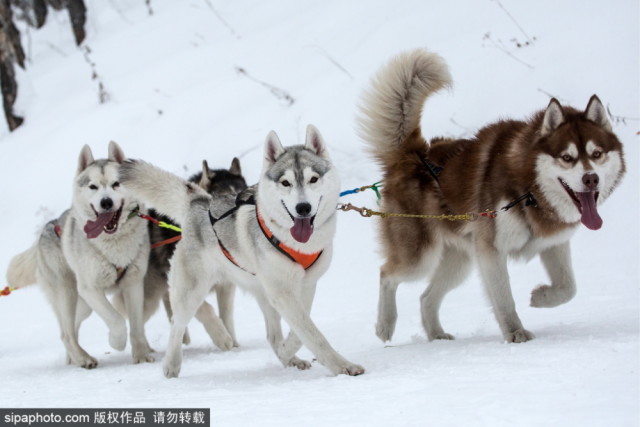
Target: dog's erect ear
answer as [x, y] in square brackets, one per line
[205, 179]
[85, 159]
[553, 117]
[597, 113]
[272, 148]
[315, 143]
[235, 167]
[115, 153]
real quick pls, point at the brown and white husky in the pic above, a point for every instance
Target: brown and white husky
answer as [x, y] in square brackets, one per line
[561, 163]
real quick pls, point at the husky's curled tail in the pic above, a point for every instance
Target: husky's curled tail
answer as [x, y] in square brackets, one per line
[162, 190]
[390, 111]
[22, 268]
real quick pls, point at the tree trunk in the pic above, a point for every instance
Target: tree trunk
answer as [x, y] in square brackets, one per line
[10, 52]
[78, 15]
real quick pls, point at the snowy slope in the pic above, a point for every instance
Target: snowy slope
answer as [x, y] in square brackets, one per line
[176, 97]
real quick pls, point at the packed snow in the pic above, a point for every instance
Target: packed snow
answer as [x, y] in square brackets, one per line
[208, 79]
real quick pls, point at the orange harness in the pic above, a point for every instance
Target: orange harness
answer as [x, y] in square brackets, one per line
[304, 260]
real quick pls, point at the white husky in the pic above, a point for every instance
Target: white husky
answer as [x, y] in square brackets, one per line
[275, 246]
[93, 247]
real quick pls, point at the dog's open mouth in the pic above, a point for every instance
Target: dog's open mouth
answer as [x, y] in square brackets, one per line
[302, 228]
[586, 202]
[105, 221]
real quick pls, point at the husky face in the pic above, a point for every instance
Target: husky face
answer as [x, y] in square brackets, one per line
[98, 197]
[303, 181]
[580, 163]
[221, 181]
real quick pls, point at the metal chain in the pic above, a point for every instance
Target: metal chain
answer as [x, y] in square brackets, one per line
[366, 212]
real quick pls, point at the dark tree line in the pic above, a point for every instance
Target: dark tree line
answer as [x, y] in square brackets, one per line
[34, 13]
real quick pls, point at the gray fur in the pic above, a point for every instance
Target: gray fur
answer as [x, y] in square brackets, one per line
[220, 182]
[281, 288]
[76, 271]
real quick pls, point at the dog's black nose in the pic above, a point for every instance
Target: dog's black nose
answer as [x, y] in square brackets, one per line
[591, 180]
[106, 203]
[303, 209]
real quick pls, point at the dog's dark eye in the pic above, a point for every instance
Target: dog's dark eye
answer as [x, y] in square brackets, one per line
[313, 180]
[596, 154]
[93, 187]
[286, 183]
[567, 158]
[115, 185]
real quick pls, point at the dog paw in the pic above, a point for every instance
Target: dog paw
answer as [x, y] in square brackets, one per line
[545, 296]
[352, 370]
[299, 363]
[86, 362]
[518, 336]
[441, 336]
[90, 363]
[224, 341]
[384, 331]
[118, 338]
[171, 370]
[143, 359]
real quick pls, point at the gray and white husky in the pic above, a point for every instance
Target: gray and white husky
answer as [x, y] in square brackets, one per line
[94, 247]
[156, 288]
[276, 245]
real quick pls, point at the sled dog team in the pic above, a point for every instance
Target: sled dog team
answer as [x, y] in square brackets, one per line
[274, 239]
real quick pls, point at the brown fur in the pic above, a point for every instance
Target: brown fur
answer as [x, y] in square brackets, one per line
[503, 161]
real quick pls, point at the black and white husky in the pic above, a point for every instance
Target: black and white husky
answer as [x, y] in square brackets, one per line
[96, 246]
[276, 245]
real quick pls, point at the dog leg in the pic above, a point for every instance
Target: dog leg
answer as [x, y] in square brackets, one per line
[214, 327]
[133, 293]
[225, 294]
[301, 324]
[557, 261]
[274, 331]
[387, 311]
[293, 343]
[187, 295]
[451, 272]
[97, 300]
[64, 300]
[186, 339]
[495, 276]
[82, 312]
[273, 325]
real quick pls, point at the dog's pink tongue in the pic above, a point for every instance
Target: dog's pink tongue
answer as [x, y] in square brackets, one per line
[302, 229]
[590, 217]
[94, 228]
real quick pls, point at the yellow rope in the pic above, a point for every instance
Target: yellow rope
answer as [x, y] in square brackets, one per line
[366, 212]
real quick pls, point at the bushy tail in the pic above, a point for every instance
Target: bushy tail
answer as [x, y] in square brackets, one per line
[22, 268]
[392, 107]
[167, 193]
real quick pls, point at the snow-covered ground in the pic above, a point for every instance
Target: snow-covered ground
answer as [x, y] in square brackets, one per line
[175, 96]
